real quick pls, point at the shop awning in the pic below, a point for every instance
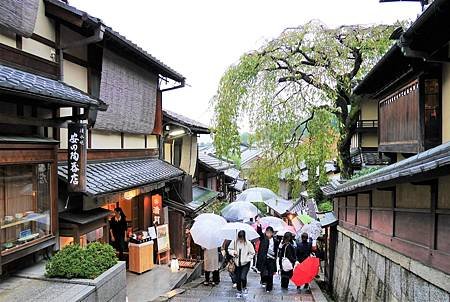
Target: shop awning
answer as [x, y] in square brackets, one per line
[15, 82]
[201, 197]
[116, 176]
[327, 219]
[84, 217]
[239, 185]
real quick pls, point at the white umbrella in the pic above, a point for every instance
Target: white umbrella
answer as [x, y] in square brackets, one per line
[202, 233]
[214, 218]
[274, 222]
[239, 211]
[313, 229]
[284, 230]
[256, 195]
[229, 231]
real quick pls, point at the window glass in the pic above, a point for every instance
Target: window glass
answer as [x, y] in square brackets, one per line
[432, 111]
[24, 205]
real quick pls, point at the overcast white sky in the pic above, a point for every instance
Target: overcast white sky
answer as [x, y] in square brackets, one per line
[200, 39]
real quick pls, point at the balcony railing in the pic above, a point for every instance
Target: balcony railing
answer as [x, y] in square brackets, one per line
[362, 124]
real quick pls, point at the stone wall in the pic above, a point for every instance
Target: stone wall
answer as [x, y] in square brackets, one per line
[365, 274]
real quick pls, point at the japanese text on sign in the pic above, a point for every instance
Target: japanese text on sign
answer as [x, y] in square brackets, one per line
[76, 157]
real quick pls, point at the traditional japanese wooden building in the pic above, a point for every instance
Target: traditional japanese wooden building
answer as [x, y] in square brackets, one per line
[180, 135]
[393, 235]
[65, 161]
[31, 96]
[123, 166]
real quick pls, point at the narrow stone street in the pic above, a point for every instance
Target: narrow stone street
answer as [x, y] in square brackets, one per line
[197, 292]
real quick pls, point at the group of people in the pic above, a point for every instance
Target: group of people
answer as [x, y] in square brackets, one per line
[270, 251]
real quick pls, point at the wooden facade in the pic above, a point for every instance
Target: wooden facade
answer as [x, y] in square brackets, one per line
[410, 218]
[400, 128]
[410, 117]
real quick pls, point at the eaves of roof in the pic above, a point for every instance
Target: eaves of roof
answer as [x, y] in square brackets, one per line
[121, 40]
[433, 159]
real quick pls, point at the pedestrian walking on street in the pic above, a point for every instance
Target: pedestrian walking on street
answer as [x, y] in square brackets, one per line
[267, 255]
[287, 258]
[243, 251]
[304, 250]
[211, 266]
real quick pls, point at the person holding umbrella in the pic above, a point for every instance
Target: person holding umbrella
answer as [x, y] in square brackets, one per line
[267, 254]
[287, 258]
[243, 251]
[211, 265]
[304, 250]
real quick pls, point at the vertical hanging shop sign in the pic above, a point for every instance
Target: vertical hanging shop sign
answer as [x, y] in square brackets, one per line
[156, 208]
[76, 165]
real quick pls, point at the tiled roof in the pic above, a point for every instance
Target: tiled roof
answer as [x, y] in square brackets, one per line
[429, 160]
[113, 176]
[214, 162]
[25, 83]
[368, 158]
[117, 37]
[190, 123]
[249, 154]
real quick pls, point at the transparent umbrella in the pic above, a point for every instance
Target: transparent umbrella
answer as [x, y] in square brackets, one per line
[239, 211]
[256, 195]
[313, 229]
[274, 222]
[213, 218]
[202, 233]
[230, 230]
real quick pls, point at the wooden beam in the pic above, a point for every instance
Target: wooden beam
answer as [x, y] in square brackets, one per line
[43, 40]
[387, 189]
[19, 41]
[17, 58]
[434, 202]
[31, 121]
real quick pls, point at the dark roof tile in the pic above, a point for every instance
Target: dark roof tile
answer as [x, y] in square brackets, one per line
[195, 126]
[111, 176]
[25, 82]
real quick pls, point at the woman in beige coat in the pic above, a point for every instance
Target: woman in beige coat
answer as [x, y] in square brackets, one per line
[211, 265]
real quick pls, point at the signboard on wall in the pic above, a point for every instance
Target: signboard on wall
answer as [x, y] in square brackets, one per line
[76, 157]
[156, 208]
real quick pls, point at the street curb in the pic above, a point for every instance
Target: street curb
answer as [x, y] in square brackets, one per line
[317, 292]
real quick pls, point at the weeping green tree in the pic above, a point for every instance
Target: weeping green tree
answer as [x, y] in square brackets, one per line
[280, 87]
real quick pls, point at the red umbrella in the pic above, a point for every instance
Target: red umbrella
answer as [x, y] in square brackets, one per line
[306, 271]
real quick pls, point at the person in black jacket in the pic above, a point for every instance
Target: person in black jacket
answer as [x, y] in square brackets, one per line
[118, 231]
[286, 250]
[304, 250]
[267, 255]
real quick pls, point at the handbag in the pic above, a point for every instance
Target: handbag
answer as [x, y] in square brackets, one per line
[286, 264]
[231, 266]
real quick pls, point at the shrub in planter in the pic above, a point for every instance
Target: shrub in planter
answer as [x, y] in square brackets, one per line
[74, 261]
